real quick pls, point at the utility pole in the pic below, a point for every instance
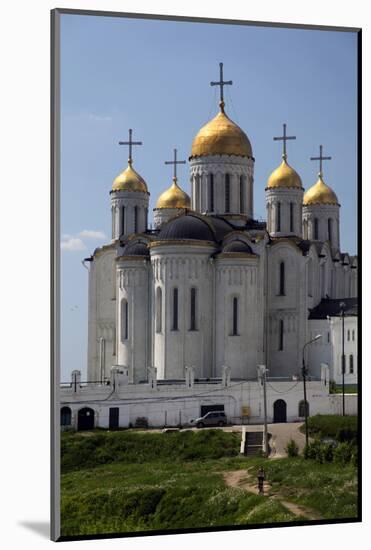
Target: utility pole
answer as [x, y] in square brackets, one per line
[342, 305]
[263, 375]
[304, 374]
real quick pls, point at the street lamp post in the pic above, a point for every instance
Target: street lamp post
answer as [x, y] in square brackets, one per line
[342, 305]
[304, 373]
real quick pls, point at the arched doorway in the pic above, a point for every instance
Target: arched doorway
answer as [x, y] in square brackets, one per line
[279, 411]
[85, 419]
[66, 416]
[302, 408]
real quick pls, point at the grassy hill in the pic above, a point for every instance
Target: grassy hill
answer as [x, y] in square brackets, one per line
[138, 481]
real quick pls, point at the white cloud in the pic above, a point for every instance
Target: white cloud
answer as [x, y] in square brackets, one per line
[73, 244]
[92, 234]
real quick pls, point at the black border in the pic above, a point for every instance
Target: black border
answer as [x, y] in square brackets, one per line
[54, 283]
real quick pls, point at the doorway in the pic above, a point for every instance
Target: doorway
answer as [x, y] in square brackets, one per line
[279, 411]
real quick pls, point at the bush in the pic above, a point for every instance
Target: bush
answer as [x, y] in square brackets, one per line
[292, 448]
[320, 452]
[141, 422]
[327, 425]
[343, 453]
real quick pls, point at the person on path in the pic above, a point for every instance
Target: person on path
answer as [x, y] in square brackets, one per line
[261, 478]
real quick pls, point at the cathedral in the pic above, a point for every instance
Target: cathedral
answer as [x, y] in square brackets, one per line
[210, 290]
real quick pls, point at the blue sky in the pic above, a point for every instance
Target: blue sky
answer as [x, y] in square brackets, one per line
[153, 76]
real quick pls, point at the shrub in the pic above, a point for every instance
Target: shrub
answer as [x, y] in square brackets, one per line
[141, 422]
[343, 453]
[292, 448]
[320, 452]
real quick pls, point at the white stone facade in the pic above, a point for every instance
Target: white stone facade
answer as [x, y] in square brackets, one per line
[240, 174]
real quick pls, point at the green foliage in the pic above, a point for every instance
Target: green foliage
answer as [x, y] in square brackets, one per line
[327, 425]
[292, 448]
[81, 451]
[343, 453]
[147, 481]
[321, 452]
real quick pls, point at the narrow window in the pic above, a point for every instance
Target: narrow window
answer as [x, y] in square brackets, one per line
[348, 335]
[329, 227]
[353, 335]
[193, 309]
[310, 277]
[280, 339]
[135, 219]
[146, 215]
[282, 279]
[242, 194]
[158, 310]
[113, 222]
[328, 337]
[211, 192]
[278, 218]
[291, 217]
[122, 227]
[227, 193]
[351, 364]
[66, 416]
[315, 229]
[235, 317]
[124, 320]
[175, 309]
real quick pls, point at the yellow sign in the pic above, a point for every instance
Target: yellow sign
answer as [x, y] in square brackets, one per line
[245, 411]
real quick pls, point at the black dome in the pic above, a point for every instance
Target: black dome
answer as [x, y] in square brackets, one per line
[237, 246]
[187, 226]
[135, 249]
[221, 226]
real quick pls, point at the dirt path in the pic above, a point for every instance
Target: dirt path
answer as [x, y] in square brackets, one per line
[240, 479]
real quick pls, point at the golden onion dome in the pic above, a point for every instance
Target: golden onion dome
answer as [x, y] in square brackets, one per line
[129, 180]
[284, 176]
[174, 197]
[221, 136]
[320, 193]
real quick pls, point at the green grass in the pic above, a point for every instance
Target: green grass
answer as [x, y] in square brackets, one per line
[348, 388]
[151, 481]
[326, 425]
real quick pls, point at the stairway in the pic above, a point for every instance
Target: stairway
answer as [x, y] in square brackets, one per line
[253, 443]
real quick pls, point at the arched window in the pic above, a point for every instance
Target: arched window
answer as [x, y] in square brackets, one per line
[242, 194]
[227, 193]
[135, 219]
[329, 228]
[175, 309]
[316, 229]
[158, 309]
[146, 218]
[211, 192]
[280, 335]
[113, 221]
[282, 279]
[193, 304]
[302, 405]
[291, 217]
[66, 416]
[351, 364]
[124, 320]
[122, 224]
[235, 316]
[278, 217]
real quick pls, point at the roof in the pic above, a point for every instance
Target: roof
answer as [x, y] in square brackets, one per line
[329, 307]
